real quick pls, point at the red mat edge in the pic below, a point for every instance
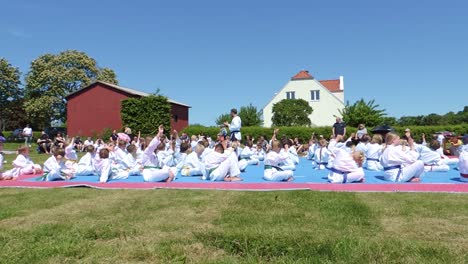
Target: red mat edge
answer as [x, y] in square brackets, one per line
[356, 187]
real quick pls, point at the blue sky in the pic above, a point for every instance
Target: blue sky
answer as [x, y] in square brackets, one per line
[411, 58]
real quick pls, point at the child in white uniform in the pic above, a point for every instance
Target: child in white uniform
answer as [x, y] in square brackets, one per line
[3, 177]
[313, 146]
[248, 154]
[105, 170]
[23, 164]
[431, 158]
[86, 164]
[346, 167]
[152, 171]
[54, 167]
[373, 153]
[272, 161]
[463, 160]
[398, 165]
[322, 155]
[221, 165]
[192, 165]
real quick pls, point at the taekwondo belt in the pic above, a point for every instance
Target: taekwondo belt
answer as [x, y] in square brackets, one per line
[344, 173]
[395, 167]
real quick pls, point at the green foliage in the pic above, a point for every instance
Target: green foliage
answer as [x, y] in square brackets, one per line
[54, 77]
[105, 134]
[250, 116]
[304, 133]
[291, 112]
[107, 75]
[40, 110]
[10, 94]
[145, 114]
[362, 112]
[451, 118]
[223, 118]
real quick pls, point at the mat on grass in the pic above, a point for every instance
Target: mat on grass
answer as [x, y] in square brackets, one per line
[305, 178]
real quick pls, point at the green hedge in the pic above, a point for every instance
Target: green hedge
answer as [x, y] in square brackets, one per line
[36, 135]
[304, 133]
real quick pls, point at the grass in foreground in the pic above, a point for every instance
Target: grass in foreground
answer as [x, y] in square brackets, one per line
[173, 226]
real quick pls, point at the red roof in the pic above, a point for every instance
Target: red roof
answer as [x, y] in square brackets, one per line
[302, 75]
[332, 85]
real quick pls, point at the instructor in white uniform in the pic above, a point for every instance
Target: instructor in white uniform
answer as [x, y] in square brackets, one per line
[235, 126]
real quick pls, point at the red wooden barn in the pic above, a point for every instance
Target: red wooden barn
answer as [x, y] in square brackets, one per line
[96, 107]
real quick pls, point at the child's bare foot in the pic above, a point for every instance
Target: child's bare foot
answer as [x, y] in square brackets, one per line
[361, 180]
[290, 179]
[171, 176]
[415, 180]
[228, 179]
[236, 178]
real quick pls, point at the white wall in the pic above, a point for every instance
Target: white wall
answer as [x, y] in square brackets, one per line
[323, 110]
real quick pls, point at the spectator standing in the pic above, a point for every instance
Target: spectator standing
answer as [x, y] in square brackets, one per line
[27, 134]
[339, 128]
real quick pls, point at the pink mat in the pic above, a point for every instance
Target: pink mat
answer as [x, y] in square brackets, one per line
[270, 186]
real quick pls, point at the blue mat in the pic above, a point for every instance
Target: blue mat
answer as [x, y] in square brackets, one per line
[304, 173]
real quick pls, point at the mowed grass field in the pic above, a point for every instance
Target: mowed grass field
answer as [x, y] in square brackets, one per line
[79, 225]
[177, 226]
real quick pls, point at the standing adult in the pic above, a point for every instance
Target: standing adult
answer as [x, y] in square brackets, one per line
[339, 128]
[27, 134]
[235, 126]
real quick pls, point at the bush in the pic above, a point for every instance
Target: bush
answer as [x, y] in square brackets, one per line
[304, 133]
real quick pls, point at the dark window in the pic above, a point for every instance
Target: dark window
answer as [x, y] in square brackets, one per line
[290, 95]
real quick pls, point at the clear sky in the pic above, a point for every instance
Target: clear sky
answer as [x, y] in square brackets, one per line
[410, 56]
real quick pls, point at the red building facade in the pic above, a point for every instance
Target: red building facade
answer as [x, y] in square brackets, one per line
[96, 107]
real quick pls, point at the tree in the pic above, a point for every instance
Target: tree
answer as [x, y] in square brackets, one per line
[223, 118]
[390, 121]
[107, 75]
[52, 77]
[362, 112]
[145, 114]
[10, 91]
[250, 116]
[291, 112]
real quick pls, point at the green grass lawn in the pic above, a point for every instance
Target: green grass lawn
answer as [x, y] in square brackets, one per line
[175, 226]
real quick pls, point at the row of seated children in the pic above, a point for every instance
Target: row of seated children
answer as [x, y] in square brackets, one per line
[162, 159]
[396, 154]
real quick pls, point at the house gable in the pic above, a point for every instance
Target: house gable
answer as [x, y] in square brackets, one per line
[302, 84]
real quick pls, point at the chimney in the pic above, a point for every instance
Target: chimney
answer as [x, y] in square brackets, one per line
[341, 83]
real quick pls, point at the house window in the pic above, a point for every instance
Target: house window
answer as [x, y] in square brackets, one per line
[290, 95]
[176, 118]
[315, 95]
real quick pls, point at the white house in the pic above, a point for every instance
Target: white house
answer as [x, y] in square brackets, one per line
[325, 97]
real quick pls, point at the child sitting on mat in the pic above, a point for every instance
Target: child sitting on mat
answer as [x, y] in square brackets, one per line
[54, 167]
[463, 159]
[373, 153]
[3, 177]
[105, 169]
[86, 164]
[400, 166]
[192, 165]
[221, 165]
[152, 171]
[322, 155]
[431, 158]
[272, 161]
[23, 164]
[346, 167]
